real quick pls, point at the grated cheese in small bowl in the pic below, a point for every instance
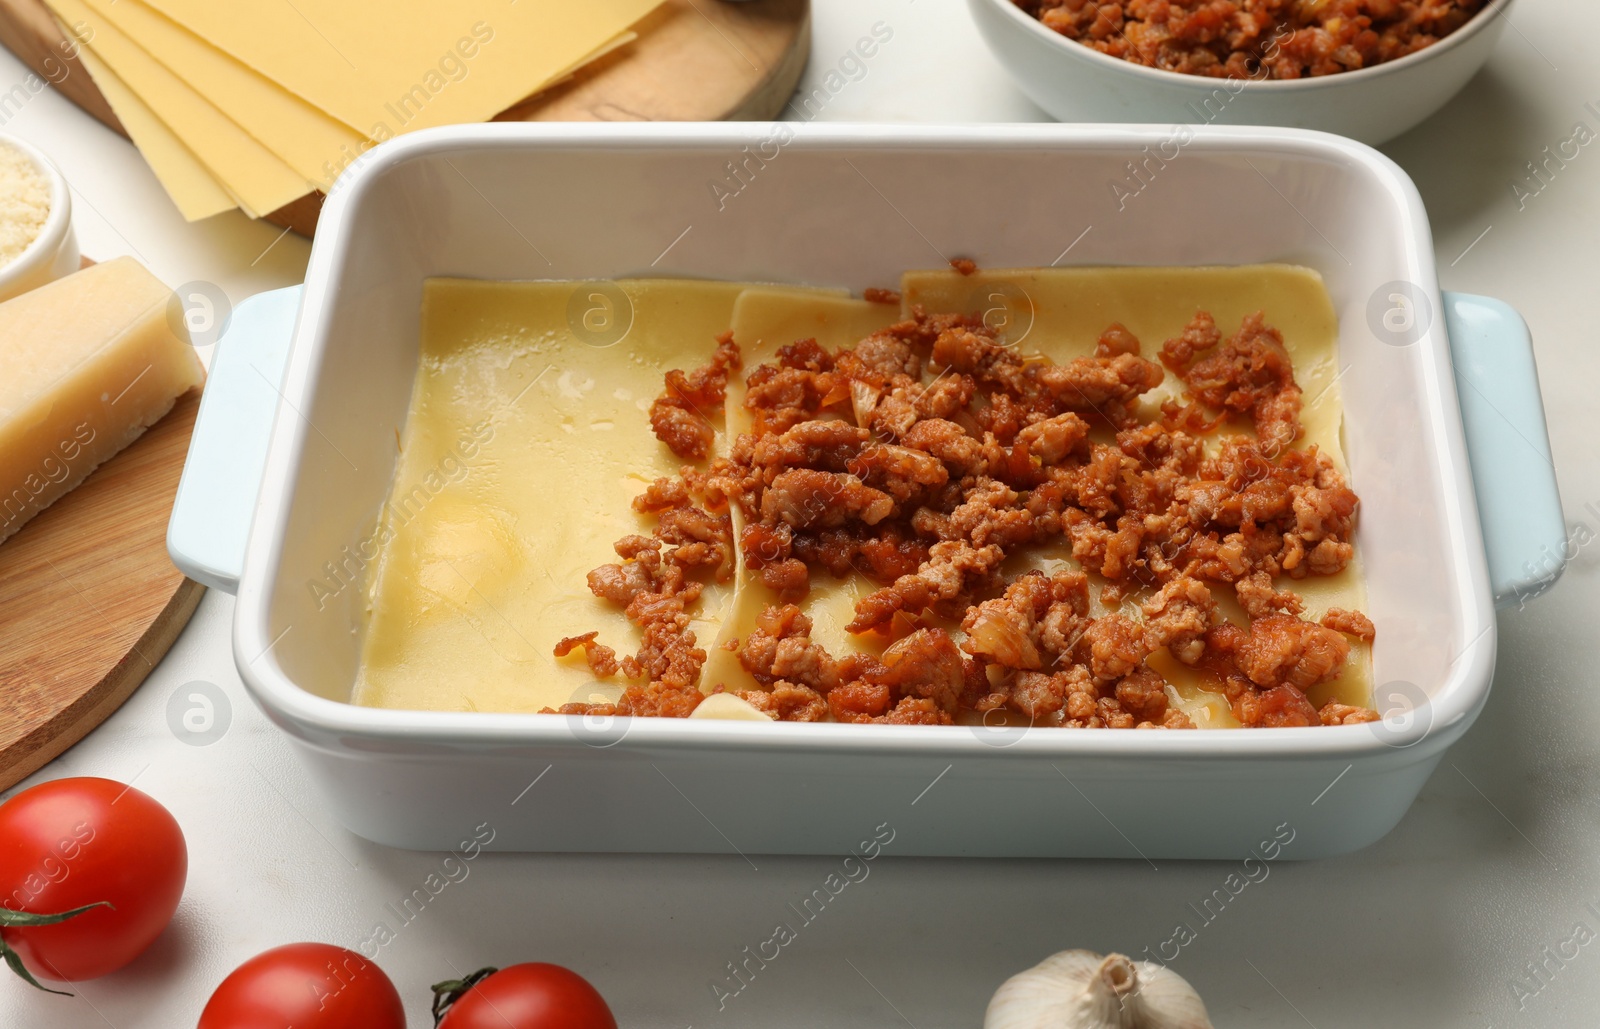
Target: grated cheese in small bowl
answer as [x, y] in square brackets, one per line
[24, 203]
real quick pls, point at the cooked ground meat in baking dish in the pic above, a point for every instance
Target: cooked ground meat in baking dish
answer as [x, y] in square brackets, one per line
[934, 459]
[1255, 39]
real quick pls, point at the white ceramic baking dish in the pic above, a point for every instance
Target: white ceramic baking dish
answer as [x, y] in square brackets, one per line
[296, 446]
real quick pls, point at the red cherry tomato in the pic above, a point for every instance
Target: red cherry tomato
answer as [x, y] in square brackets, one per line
[74, 842]
[530, 996]
[307, 986]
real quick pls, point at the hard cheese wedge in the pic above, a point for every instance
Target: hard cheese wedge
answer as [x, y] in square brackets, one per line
[90, 362]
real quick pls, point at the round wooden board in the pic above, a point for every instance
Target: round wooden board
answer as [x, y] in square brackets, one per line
[89, 600]
[694, 60]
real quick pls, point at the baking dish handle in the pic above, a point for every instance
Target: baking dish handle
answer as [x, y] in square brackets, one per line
[1508, 447]
[228, 452]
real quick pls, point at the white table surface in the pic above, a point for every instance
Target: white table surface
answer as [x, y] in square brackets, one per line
[1436, 925]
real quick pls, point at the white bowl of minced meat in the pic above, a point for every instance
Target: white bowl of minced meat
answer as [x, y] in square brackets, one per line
[1367, 69]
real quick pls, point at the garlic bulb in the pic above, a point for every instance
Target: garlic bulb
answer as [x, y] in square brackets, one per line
[1079, 989]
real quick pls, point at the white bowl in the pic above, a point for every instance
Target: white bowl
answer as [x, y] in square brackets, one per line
[54, 252]
[294, 454]
[1078, 84]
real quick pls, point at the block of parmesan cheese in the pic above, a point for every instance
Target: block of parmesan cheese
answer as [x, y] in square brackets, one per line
[87, 363]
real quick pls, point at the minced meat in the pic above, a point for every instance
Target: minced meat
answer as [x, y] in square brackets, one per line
[857, 465]
[1255, 39]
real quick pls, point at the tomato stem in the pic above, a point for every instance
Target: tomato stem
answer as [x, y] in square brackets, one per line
[10, 919]
[452, 990]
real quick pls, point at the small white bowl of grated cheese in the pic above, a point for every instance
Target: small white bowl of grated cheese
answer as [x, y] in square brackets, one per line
[37, 244]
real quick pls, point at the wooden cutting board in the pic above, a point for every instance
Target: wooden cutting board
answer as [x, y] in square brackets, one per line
[694, 60]
[89, 600]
